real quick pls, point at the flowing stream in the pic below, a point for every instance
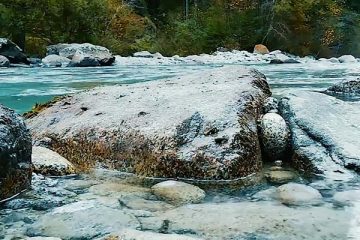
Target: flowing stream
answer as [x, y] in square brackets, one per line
[21, 88]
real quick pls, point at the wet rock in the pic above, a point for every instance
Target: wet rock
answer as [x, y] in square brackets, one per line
[324, 133]
[131, 234]
[347, 87]
[81, 59]
[103, 56]
[144, 204]
[236, 220]
[280, 176]
[274, 135]
[347, 59]
[347, 198]
[48, 162]
[298, 194]
[144, 54]
[261, 49]
[15, 153]
[12, 52]
[55, 61]
[42, 238]
[4, 62]
[82, 220]
[173, 134]
[266, 195]
[119, 189]
[178, 192]
[271, 105]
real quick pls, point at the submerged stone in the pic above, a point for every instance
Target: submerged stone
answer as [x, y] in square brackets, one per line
[178, 193]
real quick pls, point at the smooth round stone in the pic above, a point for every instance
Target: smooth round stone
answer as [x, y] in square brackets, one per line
[347, 198]
[274, 135]
[298, 194]
[280, 176]
[178, 193]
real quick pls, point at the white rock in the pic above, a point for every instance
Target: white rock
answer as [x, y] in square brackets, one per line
[347, 197]
[274, 134]
[55, 61]
[178, 192]
[347, 59]
[143, 54]
[4, 62]
[130, 234]
[48, 162]
[298, 194]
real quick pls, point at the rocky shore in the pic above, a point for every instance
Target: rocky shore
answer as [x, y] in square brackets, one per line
[142, 161]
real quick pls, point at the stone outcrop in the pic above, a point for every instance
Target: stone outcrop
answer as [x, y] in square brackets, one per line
[12, 52]
[201, 126]
[15, 154]
[4, 62]
[81, 53]
[345, 87]
[325, 132]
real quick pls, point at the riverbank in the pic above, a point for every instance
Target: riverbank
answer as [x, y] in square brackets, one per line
[324, 200]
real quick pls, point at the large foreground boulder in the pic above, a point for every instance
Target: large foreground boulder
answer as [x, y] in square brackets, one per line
[201, 126]
[15, 154]
[88, 51]
[325, 132]
[12, 52]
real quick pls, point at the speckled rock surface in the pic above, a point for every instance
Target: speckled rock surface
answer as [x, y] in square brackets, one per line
[178, 193]
[325, 133]
[346, 87]
[274, 135]
[48, 162]
[298, 194]
[271, 105]
[205, 123]
[15, 153]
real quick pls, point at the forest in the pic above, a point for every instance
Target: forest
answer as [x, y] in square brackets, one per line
[321, 28]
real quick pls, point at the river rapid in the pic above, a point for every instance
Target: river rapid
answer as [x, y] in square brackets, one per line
[91, 205]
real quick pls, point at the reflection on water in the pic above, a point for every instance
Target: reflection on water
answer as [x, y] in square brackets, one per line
[21, 88]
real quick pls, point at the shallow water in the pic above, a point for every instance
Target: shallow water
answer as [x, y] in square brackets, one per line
[21, 88]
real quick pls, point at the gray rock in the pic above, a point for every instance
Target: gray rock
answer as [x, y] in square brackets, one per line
[167, 120]
[4, 62]
[15, 153]
[48, 162]
[271, 105]
[82, 220]
[324, 132]
[347, 198]
[101, 54]
[131, 234]
[55, 61]
[266, 195]
[298, 194]
[143, 54]
[280, 176]
[347, 87]
[12, 52]
[347, 59]
[274, 135]
[81, 59]
[236, 220]
[178, 193]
